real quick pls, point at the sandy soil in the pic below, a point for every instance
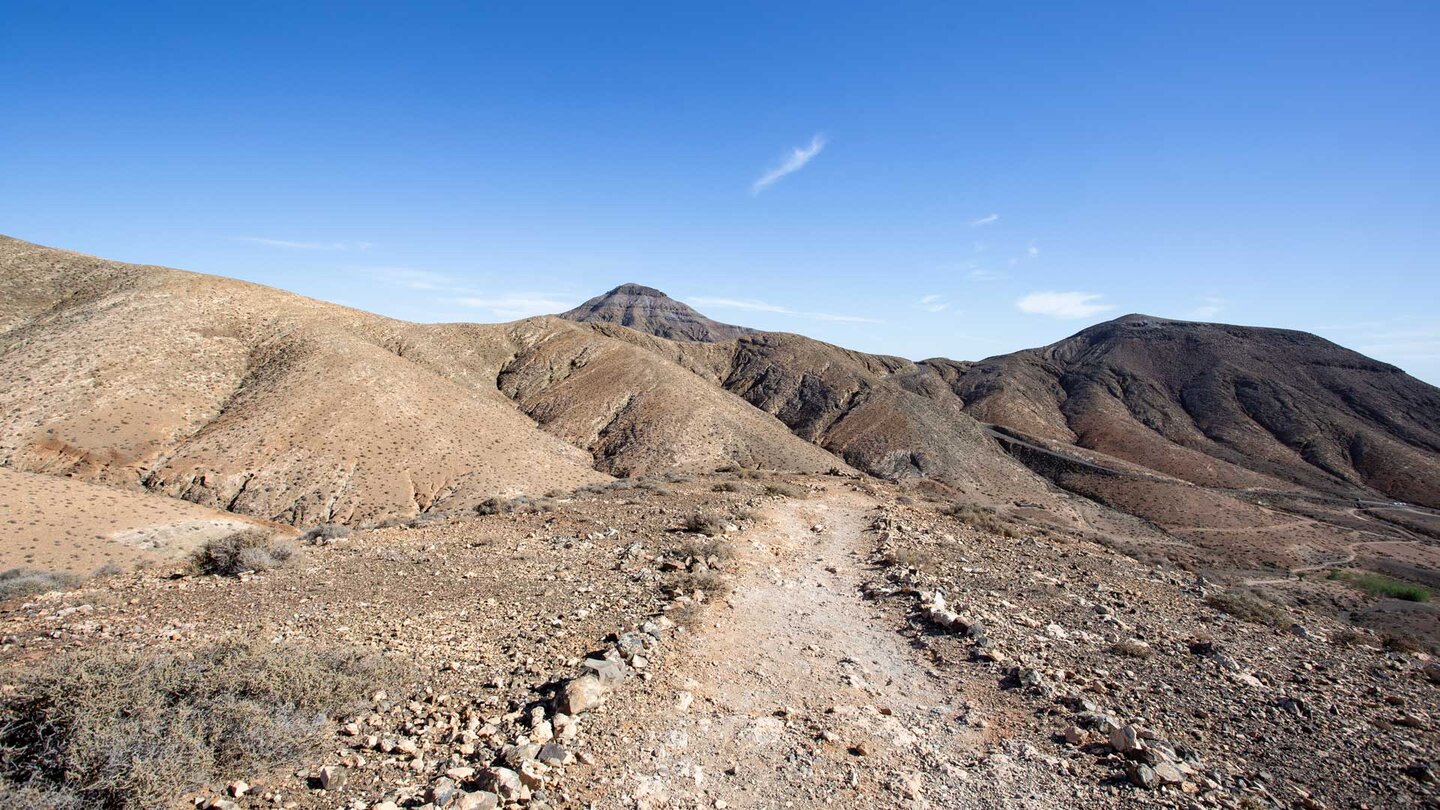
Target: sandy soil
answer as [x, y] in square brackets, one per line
[60, 524]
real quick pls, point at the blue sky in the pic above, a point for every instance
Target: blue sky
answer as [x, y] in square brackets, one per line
[922, 179]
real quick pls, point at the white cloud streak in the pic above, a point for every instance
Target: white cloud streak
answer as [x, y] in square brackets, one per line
[794, 162]
[933, 303]
[1065, 305]
[761, 306]
[411, 279]
[987, 274]
[1208, 308]
[294, 245]
[988, 219]
[514, 306]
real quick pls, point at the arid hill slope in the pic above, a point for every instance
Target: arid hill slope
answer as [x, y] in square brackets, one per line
[1222, 406]
[253, 400]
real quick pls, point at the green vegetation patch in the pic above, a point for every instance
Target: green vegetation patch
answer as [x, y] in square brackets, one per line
[1381, 585]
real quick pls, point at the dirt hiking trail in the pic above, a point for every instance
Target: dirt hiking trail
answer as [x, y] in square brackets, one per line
[799, 692]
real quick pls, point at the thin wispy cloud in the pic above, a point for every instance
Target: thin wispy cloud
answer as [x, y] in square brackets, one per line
[1064, 305]
[933, 303]
[295, 245]
[988, 219]
[794, 162]
[411, 278]
[753, 305]
[1208, 308]
[987, 274]
[513, 306]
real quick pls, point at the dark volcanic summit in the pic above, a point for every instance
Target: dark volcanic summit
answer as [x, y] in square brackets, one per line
[646, 309]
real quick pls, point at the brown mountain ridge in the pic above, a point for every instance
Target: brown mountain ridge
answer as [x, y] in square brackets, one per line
[251, 400]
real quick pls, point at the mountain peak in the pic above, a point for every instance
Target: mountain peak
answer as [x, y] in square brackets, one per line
[646, 309]
[631, 288]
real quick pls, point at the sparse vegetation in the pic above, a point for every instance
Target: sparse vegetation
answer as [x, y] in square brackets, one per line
[1381, 585]
[521, 503]
[984, 518]
[710, 582]
[29, 582]
[242, 552]
[1246, 606]
[913, 558]
[115, 729]
[1347, 637]
[709, 549]
[108, 569]
[704, 523]
[324, 533]
[784, 491]
[726, 486]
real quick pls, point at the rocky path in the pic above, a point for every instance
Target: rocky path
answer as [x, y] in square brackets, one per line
[796, 693]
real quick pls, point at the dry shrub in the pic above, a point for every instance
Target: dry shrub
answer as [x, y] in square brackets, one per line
[520, 503]
[116, 729]
[241, 552]
[726, 486]
[688, 615]
[784, 491]
[914, 558]
[1402, 644]
[709, 582]
[324, 533]
[1247, 606]
[704, 523]
[707, 549]
[984, 518]
[28, 582]
[1347, 637]
[109, 568]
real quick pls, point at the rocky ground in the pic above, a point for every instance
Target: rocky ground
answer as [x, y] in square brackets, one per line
[833, 644]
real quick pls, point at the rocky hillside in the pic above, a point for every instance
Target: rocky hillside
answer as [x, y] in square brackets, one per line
[1223, 406]
[646, 309]
[252, 400]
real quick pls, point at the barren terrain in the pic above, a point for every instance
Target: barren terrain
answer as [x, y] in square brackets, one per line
[263, 551]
